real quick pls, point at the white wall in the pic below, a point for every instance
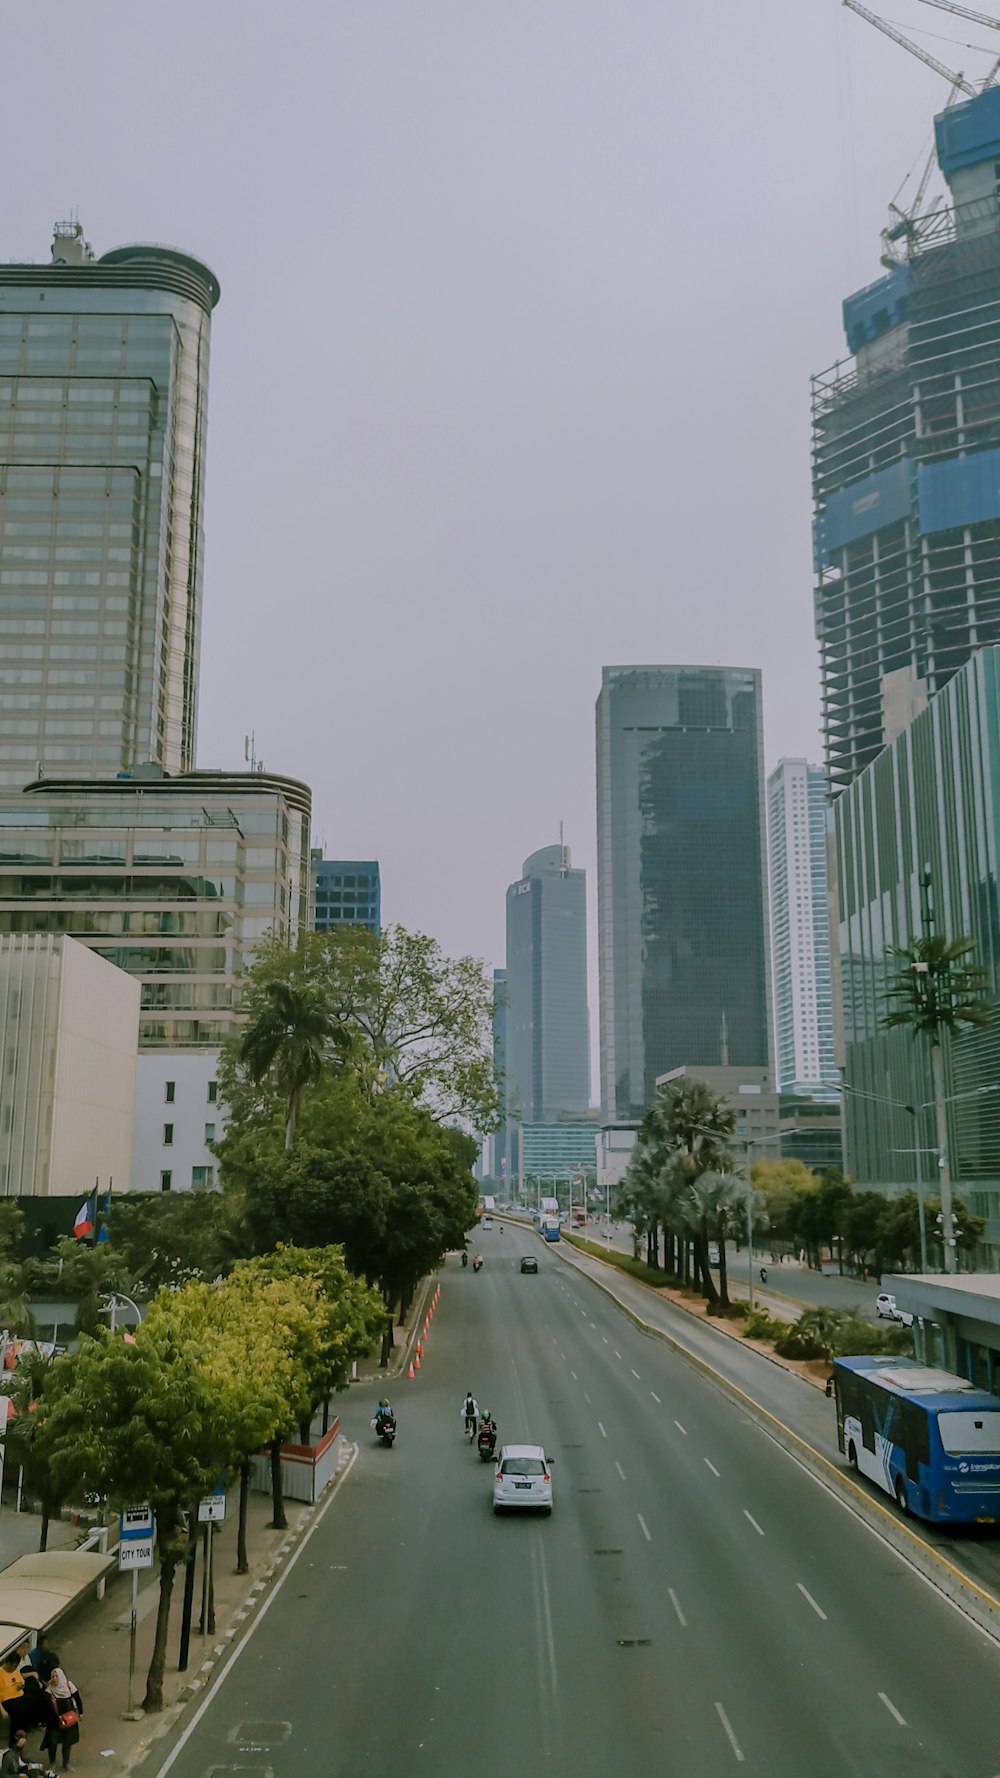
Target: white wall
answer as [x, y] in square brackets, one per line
[94, 1085]
[189, 1111]
[69, 1023]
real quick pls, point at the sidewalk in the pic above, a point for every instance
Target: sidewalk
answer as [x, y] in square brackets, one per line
[93, 1641]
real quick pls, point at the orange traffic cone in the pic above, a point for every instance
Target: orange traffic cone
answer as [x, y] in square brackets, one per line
[410, 1373]
[417, 1361]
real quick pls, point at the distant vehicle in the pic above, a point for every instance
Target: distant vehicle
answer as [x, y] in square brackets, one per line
[927, 1437]
[523, 1479]
[529, 1263]
[487, 1222]
[713, 1253]
[886, 1309]
[549, 1229]
[579, 1219]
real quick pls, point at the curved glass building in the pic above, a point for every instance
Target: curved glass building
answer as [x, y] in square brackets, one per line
[103, 398]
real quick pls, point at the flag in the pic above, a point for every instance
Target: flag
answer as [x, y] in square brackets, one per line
[84, 1224]
[105, 1210]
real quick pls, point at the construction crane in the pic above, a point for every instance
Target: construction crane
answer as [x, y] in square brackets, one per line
[902, 225]
[964, 12]
[922, 55]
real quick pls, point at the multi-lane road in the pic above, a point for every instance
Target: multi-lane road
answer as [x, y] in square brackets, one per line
[697, 1604]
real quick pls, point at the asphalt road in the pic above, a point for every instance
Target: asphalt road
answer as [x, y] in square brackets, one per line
[697, 1603]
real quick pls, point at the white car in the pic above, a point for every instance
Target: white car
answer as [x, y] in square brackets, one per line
[886, 1310]
[523, 1479]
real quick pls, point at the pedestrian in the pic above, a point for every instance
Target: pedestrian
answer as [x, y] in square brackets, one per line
[63, 1728]
[12, 1694]
[43, 1658]
[15, 1762]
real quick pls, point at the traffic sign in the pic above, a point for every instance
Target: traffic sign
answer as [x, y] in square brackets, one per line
[213, 1508]
[136, 1537]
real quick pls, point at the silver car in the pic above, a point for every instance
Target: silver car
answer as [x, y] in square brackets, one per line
[523, 1479]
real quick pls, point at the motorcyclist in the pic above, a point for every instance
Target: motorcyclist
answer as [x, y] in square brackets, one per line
[477, 1264]
[465, 1257]
[487, 1430]
[470, 1412]
[383, 1416]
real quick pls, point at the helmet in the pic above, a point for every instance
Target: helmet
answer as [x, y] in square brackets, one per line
[383, 1403]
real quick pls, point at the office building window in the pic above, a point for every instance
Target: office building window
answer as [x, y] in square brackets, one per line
[166, 1181]
[202, 1176]
[213, 1092]
[209, 1132]
[168, 1135]
[169, 1087]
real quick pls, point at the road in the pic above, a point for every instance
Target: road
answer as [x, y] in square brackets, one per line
[697, 1603]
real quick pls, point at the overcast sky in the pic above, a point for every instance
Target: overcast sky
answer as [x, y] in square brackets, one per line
[510, 375]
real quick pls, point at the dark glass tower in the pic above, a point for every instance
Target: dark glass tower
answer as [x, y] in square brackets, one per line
[681, 867]
[546, 1030]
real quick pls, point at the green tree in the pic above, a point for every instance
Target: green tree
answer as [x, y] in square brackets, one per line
[938, 988]
[140, 1421]
[168, 1238]
[289, 1037]
[783, 1185]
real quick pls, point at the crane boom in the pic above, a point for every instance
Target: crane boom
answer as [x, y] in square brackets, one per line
[964, 12]
[922, 55]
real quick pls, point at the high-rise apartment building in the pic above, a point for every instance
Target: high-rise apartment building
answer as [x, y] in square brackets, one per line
[345, 892]
[103, 395]
[800, 929]
[683, 946]
[546, 1028]
[906, 464]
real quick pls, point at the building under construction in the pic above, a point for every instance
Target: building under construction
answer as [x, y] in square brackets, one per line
[906, 458]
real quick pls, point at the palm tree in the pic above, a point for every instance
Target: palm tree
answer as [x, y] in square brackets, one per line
[289, 1038]
[938, 988]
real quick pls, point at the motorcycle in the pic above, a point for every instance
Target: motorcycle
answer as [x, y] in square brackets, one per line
[486, 1444]
[385, 1431]
[477, 1264]
[465, 1261]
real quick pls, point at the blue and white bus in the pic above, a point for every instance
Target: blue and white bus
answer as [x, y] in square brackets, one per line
[928, 1438]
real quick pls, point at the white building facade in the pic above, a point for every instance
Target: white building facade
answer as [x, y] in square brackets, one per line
[177, 1115]
[800, 930]
[69, 1024]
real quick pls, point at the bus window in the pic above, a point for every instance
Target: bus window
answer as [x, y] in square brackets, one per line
[968, 1430]
[914, 1436]
[867, 1421]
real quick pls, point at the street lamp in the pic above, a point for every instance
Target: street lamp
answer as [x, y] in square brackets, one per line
[111, 1303]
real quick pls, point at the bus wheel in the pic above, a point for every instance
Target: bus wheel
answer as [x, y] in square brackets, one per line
[901, 1500]
[852, 1455]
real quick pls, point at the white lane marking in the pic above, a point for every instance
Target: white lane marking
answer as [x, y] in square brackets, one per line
[604, 1337]
[808, 1596]
[564, 1358]
[675, 1602]
[620, 1470]
[617, 1354]
[681, 1428]
[734, 1744]
[711, 1466]
[890, 1706]
[646, 1532]
[656, 1398]
[601, 1430]
[753, 1522]
[594, 1325]
[637, 1376]
[574, 1376]
[587, 1399]
[212, 1689]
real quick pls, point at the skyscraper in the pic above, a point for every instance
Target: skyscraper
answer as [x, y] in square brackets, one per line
[680, 859]
[906, 464]
[346, 892]
[800, 929]
[546, 1031]
[103, 392]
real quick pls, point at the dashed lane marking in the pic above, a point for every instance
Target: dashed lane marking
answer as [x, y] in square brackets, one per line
[734, 1744]
[818, 1609]
[656, 1398]
[620, 1470]
[675, 1602]
[753, 1522]
[711, 1466]
[601, 1430]
[646, 1532]
[893, 1712]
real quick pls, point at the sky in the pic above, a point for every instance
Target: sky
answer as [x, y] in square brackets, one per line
[510, 374]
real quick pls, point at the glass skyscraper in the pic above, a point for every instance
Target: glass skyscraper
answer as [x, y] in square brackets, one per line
[546, 1030]
[932, 798]
[800, 929]
[346, 892]
[683, 948]
[103, 393]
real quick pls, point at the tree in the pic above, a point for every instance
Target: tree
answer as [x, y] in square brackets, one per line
[783, 1186]
[168, 1238]
[136, 1421]
[289, 1036]
[937, 988]
[407, 1014]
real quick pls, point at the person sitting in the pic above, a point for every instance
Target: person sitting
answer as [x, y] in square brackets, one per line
[383, 1415]
[15, 1762]
[488, 1431]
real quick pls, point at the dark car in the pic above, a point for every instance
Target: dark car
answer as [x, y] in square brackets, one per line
[529, 1263]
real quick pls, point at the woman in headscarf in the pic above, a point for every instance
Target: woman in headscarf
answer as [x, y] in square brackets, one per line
[62, 1728]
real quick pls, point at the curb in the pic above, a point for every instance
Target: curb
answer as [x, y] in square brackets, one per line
[961, 1591]
[166, 1720]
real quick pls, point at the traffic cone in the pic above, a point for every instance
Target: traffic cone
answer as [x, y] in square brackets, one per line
[417, 1361]
[410, 1373]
